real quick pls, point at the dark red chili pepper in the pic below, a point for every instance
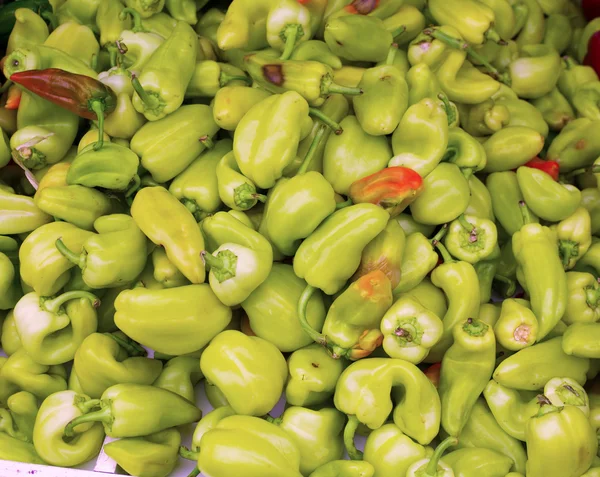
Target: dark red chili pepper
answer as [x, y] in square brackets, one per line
[393, 188]
[592, 58]
[549, 167]
[85, 96]
[591, 9]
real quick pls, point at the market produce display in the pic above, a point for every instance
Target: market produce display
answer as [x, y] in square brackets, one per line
[386, 211]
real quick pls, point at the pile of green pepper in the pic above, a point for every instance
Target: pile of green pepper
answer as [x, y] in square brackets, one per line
[387, 211]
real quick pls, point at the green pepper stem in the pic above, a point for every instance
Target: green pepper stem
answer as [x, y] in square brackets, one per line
[493, 35]
[464, 46]
[225, 78]
[432, 467]
[349, 432]
[328, 87]
[440, 235]
[302, 306]
[569, 62]
[524, 212]
[343, 205]
[87, 405]
[132, 348]
[136, 17]
[210, 260]
[188, 454]
[467, 172]
[195, 472]
[51, 18]
[273, 420]
[7, 426]
[450, 112]
[391, 56]
[546, 406]
[52, 305]
[78, 259]
[333, 125]
[150, 101]
[103, 415]
[512, 286]
[207, 142]
[446, 257]
[468, 226]
[568, 249]
[592, 296]
[98, 107]
[135, 185]
[291, 33]
[311, 150]
[398, 31]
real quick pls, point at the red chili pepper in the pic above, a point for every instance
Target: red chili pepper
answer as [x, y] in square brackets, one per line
[591, 9]
[87, 97]
[433, 373]
[549, 167]
[592, 58]
[13, 98]
[393, 188]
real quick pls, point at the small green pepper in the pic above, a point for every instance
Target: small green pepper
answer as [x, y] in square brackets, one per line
[471, 238]
[574, 236]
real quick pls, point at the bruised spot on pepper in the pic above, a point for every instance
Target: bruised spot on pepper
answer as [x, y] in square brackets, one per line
[315, 365]
[362, 7]
[580, 144]
[274, 74]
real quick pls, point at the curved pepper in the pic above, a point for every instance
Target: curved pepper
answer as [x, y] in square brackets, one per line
[55, 412]
[313, 375]
[531, 368]
[231, 103]
[278, 296]
[42, 266]
[108, 22]
[421, 138]
[391, 452]
[590, 199]
[19, 214]
[177, 232]
[41, 57]
[465, 151]
[79, 41]
[209, 76]
[180, 375]
[154, 455]
[517, 326]
[262, 375]
[576, 146]
[583, 298]
[473, 20]
[103, 360]
[29, 29]
[135, 410]
[480, 204]
[348, 230]
[235, 190]
[555, 108]
[197, 186]
[165, 272]
[192, 316]
[432, 466]
[418, 260]
[511, 147]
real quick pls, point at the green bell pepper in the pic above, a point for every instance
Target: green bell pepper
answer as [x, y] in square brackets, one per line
[316, 50]
[418, 260]
[209, 76]
[465, 151]
[103, 360]
[192, 315]
[263, 374]
[55, 413]
[574, 236]
[473, 462]
[432, 466]
[180, 375]
[555, 109]
[581, 340]
[155, 455]
[10, 287]
[474, 20]
[232, 102]
[517, 327]
[535, 73]
[583, 298]
[576, 146]
[590, 199]
[345, 468]
[511, 147]
[165, 272]
[471, 238]
[428, 294]
[29, 29]
[235, 190]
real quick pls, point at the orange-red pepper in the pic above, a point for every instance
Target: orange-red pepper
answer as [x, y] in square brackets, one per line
[549, 167]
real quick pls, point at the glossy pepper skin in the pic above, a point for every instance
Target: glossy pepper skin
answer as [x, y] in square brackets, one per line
[541, 271]
[235, 189]
[231, 103]
[417, 415]
[179, 375]
[421, 138]
[55, 413]
[155, 455]
[471, 462]
[345, 468]
[349, 229]
[555, 108]
[168, 146]
[471, 239]
[263, 375]
[103, 360]
[560, 441]
[113, 257]
[511, 147]
[250, 445]
[581, 340]
[40, 57]
[52, 329]
[310, 385]
[474, 348]
[29, 28]
[472, 19]
[135, 410]
[177, 232]
[517, 327]
[278, 297]
[582, 298]
[531, 368]
[161, 85]
[482, 431]
[19, 214]
[410, 330]
[574, 236]
[192, 316]
[264, 161]
[432, 466]
[576, 146]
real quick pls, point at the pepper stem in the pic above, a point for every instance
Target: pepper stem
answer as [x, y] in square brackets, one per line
[98, 108]
[78, 259]
[207, 142]
[524, 212]
[194, 473]
[132, 348]
[225, 78]
[150, 101]
[568, 249]
[52, 305]
[188, 454]
[493, 35]
[450, 112]
[7, 84]
[136, 17]
[290, 34]
[440, 235]
[446, 257]
[546, 406]
[464, 46]
[512, 286]
[334, 126]
[398, 31]
[432, 467]
[135, 185]
[328, 87]
[311, 151]
[223, 266]
[302, 306]
[343, 205]
[103, 415]
[391, 56]
[349, 432]
[468, 226]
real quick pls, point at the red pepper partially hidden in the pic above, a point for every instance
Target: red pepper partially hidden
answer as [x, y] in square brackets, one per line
[592, 58]
[591, 9]
[433, 373]
[549, 167]
[87, 97]
[13, 98]
[393, 188]
[362, 7]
